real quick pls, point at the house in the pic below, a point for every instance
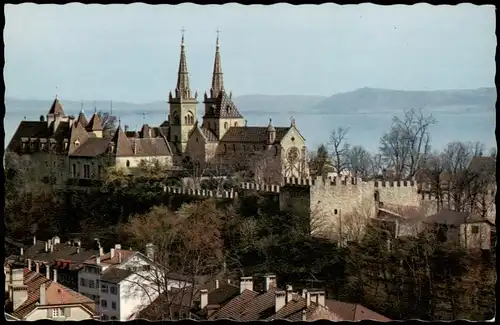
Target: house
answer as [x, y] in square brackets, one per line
[272, 304]
[66, 258]
[123, 282]
[31, 296]
[471, 231]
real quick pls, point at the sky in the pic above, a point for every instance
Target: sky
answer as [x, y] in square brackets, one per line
[131, 52]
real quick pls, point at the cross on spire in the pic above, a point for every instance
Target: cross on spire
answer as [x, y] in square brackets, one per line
[56, 92]
[182, 31]
[217, 42]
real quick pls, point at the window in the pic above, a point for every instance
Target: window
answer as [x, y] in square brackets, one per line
[104, 303]
[225, 125]
[146, 268]
[57, 312]
[91, 283]
[176, 138]
[82, 282]
[475, 229]
[97, 282]
[113, 318]
[86, 171]
[128, 163]
[113, 305]
[104, 317]
[235, 123]
[74, 170]
[335, 211]
[46, 163]
[113, 290]
[104, 288]
[54, 164]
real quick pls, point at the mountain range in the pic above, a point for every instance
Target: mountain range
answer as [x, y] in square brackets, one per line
[360, 101]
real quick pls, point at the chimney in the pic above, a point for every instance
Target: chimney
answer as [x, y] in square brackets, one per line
[118, 246]
[98, 260]
[55, 275]
[304, 292]
[37, 267]
[246, 283]
[289, 293]
[17, 277]
[228, 281]
[101, 251]
[216, 284]
[42, 294]
[19, 296]
[119, 257]
[270, 281]
[150, 251]
[304, 316]
[78, 249]
[47, 271]
[34, 240]
[8, 279]
[280, 300]
[29, 264]
[22, 251]
[56, 240]
[112, 253]
[321, 298]
[308, 299]
[78, 243]
[203, 298]
[46, 246]
[51, 245]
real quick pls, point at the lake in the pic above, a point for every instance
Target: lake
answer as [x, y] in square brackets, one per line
[365, 129]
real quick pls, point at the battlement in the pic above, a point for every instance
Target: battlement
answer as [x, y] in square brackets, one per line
[260, 187]
[394, 183]
[201, 193]
[299, 181]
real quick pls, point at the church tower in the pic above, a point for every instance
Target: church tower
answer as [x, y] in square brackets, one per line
[182, 115]
[220, 111]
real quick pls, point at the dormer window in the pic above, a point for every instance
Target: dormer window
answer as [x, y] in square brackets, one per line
[77, 142]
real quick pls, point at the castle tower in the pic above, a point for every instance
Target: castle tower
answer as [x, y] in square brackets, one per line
[182, 105]
[220, 111]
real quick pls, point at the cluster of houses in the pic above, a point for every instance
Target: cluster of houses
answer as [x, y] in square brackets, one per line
[64, 281]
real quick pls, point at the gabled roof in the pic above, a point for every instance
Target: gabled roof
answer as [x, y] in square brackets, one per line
[61, 251]
[149, 146]
[56, 108]
[95, 123]
[252, 134]
[78, 134]
[221, 107]
[55, 294]
[93, 147]
[207, 134]
[353, 312]
[115, 275]
[115, 260]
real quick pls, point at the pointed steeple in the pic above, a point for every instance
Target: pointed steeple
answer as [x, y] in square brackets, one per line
[217, 77]
[81, 117]
[56, 107]
[120, 146]
[95, 123]
[182, 91]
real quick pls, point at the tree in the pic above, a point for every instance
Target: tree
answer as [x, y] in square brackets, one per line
[108, 122]
[339, 149]
[407, 142]
[359, 162]
[320, 163]
[187, 242]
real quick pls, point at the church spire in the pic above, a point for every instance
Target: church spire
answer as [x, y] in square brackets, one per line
[182, 90]
[217, 78]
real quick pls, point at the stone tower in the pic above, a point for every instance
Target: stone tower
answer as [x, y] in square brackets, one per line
[220, 111]
[182, 106]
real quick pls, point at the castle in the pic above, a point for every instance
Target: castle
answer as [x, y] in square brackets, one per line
[70, 148]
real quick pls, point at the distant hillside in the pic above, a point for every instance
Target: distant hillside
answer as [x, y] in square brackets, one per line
[372, 100]
[276, 103]
[365, 100]
[247, 104]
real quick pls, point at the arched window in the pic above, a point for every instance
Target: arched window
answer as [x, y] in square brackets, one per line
[128, 163]
[225, 125]
[376, 196]
[235, 123]
[186, 119]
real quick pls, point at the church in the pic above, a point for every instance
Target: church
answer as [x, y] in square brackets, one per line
[70, 148]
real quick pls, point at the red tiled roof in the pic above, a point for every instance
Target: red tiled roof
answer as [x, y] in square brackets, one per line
[56, 294]
[106, 258]
[353, 312]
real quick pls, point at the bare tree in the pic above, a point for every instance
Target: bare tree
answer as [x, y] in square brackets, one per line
[359, 161]
[339, 149]
[186, 243]
[407, 142]
[108, 122]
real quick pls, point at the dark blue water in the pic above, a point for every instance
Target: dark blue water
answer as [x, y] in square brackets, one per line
[365, 129]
